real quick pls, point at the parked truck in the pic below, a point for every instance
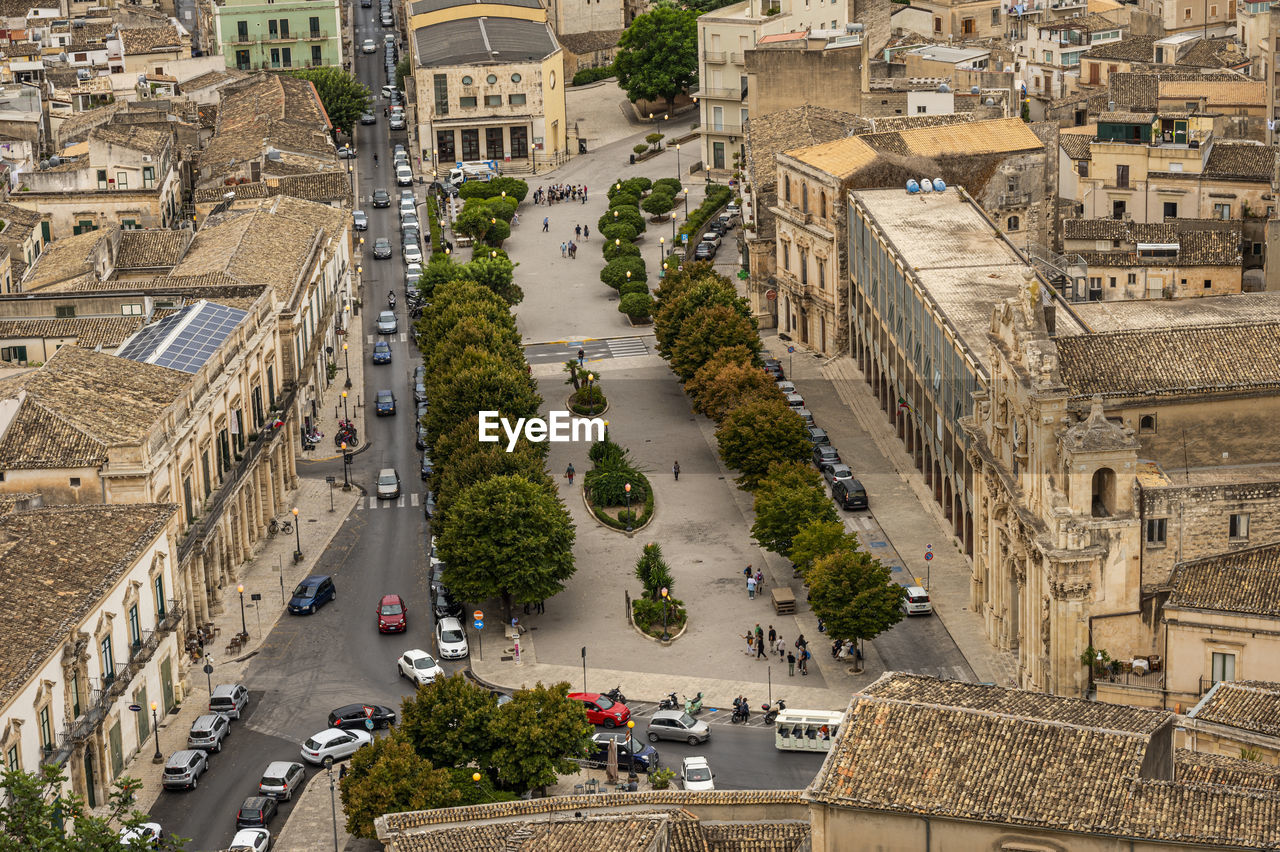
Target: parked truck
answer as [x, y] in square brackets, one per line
[485, 170]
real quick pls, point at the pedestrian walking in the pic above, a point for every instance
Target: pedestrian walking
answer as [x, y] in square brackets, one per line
[542, 607]
[760, 652]
[791, 664]
[773, 636]
[564, 248]
[577, 231]
[801, 643]
[751, 639]
[804, 662]
[759, 633]
[546, 224]
[760, 581]
[781, 648]
[569, 472]
[582, 356]
[515, 218]
[586, 232]
[751, 588]
[675, 469]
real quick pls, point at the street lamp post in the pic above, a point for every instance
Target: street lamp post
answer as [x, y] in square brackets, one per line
[346, 460]
[677, 161]
[346, 356]
[346, 415]
[155, 725]
[297, 532]
[333, 801]
[627, 488]
[591, 400]
[666, 599]
[631, 753]
[244, 628]
[351, 179]
[208, 672]
[662, 245]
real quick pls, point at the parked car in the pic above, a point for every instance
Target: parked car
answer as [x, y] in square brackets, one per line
[418, 666]
[251, 840]
[696, 774]
[678, 725]
[806, 415]
[256, 812]
[208, 731]
[382, 247]
[183, 769]
[384, 403]
[444, 606]
[335, 743]
[719, 226]
[794, 400]
[419, 374]
[397, 122]
[404, 176]
[359, 220]
[849, 494]
[148, 832]
[428, 468]
[408, 220]
[732, 209]
[428, 504]
[825, 453]
[836, 472]
[387, 91]
[354, 717]
[368, 118]
[229, 699]
[818, 436]
[633, 752]
[346, 152]
[602, 710]
[392, 614]
[381, 198]
[420, 437]
[420, 392]
[367, 46]
[704, 251]
[451, 639]
[312, 593]
[382, 352]
[773, 367]
[386, 20]
[281, 779]
[412, 251]
[916, 601]
[786, 386]
[711, 237]
[388, 484]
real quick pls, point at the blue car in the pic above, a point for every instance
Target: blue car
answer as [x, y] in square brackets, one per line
[311, 594]
[384, 403]
[382, 352]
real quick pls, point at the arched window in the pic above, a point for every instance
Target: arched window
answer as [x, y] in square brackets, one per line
[822, 207]
[786, 187]
[1013, 223]
[1147, 423]
[1104, 493]
[804, 197]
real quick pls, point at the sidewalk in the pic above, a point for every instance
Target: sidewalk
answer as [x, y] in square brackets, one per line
[270, 573]
[351, 364]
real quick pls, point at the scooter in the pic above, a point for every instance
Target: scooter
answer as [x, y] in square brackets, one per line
[391, 301]
[669, 703]
[741, 710]
[615, 694]
[693, 706]
[771, 713]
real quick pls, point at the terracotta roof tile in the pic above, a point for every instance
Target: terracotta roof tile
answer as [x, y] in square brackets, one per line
[1076, 145]
[1241, 161]
[152, 249]
[64, 259]
[1243, 581]
[798, 127]
[268, 110]
[318, 186]
[1213, 53]
[136, 137]
[89, 332]
[840, 157]
[71, 555]
[1200, 768]
[589, 42]
[1251, 705]
[1135, 48]
[140, 40]
[1195, 248]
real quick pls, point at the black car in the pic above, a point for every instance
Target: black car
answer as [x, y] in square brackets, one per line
[444, 606]
[419, 392]
[369, 118]
[428, 467]
[256, 812]
[849, 494]
[353, 717]
[772, 366]
[382, 248]
[381, 198]
[428, 504]
[632, 752]
[719, 226]
[825, 454]
[421, 440]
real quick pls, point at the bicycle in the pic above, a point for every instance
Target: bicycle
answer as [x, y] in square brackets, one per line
[285, 526]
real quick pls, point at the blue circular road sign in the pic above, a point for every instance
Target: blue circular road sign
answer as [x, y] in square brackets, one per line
[478, 624]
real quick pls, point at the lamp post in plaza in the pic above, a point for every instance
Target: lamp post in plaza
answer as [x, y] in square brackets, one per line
[244, 628]
[627, 488]
[297, 532]
[666, 599]
[346, 356]
[346, 461]
[345, 414]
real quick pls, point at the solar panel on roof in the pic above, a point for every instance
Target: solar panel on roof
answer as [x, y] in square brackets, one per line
[185, 340]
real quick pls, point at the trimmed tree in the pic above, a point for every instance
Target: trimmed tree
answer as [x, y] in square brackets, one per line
[615, 250]
[852, 593]
[658, 203]
[481, 381]
[719, 387]
[633, 286]
[816, 539]
[657, 55]
[759, 433]
[496, 274]
[679, 297]
[707, 331]
[627, 215]
[638, 306]
[621, 231]
[790, 496]
[615, 271]
[388, 777]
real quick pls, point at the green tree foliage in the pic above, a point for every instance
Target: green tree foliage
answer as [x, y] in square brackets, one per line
[480, 381]
[459, 298]
[440, 270]
[535, 733]
[344, 97]
[507, 537]
[388, 777]
[514, 188]
[621, 231]
[658, 203]
[628, 197]
[638, 306]
[35, 814]
[790, 496]
[721, 385]
[671, 186]
[816, 539]
[640, 148]
[591, 75]
[473, 219]
[447, 722]
[404, 68]
[481, 334]
[617, 249]
[654, 138]
[654, 573]
[496, 274]
[633, 286]
[852, 593]
[680, 296]
[627, 215]
[707, 331]
[498, 232]
[759, 433]
[615, 271]
[657, 56]
[482, 462]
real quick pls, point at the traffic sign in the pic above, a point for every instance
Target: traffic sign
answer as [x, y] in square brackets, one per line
[477, 615]
[368, 711]
[771, 295]
[791, 349]
[368, 723]
[478, 624]
[928, 556]
[208, 668]
[137, 708]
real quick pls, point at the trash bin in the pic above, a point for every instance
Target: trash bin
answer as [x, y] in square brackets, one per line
[633, 159]
[582, 146]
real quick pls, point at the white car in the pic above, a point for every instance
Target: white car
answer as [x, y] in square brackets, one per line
[368, 46]
[251, 840]
[695, 774]
[451, 639]
[335, 743]
[412, 253]
[419, 666]
[711, 237]
[147, 834]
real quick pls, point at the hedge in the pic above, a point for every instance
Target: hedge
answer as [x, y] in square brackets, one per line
[672, 185]
[621, 231]
[636, 305]
[613, 251]
[717, 197]
[615, 271]
[626, 215]
[591, 75]
[633, 286]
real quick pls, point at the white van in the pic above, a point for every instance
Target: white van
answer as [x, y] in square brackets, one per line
[404, 175]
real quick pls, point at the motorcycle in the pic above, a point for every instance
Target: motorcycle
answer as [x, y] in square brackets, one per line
[693, 706]
[669, 703]
[771, 713]
[346, 436]
[391, 301]
[615, 694]
[741, 710]
[309, 440]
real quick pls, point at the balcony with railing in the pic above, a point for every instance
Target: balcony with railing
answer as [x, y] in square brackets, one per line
[1013, 199]
[714, 57]
[718, 94]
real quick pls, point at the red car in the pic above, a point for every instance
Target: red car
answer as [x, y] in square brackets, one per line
[391, 615]
[602, 710]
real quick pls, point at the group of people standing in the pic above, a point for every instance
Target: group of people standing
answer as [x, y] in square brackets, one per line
[560, 192]
[760, 647]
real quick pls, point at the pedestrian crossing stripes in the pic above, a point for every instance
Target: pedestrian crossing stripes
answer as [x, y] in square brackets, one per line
[372, 502]
[625, 347]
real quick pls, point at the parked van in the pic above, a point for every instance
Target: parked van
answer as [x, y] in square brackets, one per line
[229, 699]
[404, 175]
[849, 494]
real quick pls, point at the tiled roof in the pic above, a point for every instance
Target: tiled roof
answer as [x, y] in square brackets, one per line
[1251, 705]
[1200, 768]
[1213, 53]
[139, 40]
[318, 186]
[1119, 116]
[20, 49]
[152, 249]
[1076, 145]
[998, 136]
[624, 833]
[1088, 23]
[789, 129]
[68, 556]
[584, 43]
[1135, 48]
[1242, 581]
[1216, 89]
[80, 403]
[133, 136]
[65, 258]
[108, 332]
[1195, 248]
[1159, 362]
[892, 123]
[1135, 90]
[1241, 161]
[841, 157]
[269, 110]
[212, 78]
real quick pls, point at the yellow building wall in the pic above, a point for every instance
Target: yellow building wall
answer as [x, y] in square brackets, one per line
[553, 104]
[477, 10]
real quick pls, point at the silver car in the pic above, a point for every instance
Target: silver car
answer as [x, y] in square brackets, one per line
[208, 732]
[388, 484]
[387, 322]
[281, 779]
[678, 725]
[183, 769]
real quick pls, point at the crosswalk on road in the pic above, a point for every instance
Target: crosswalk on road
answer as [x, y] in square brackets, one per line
[626, 347]
[414, 499]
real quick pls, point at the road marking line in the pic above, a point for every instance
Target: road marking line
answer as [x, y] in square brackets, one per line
[373, 502]
[400, 502]
[413, 499]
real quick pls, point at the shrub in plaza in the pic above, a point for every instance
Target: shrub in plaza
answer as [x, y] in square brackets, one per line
[638, 306]
[606, 486]
[627, 215]
[615, 250]
[647, 614]
[621, 231]
[502, 208]
[654, 138]
[720, 385]
[815, 539]
[791, 495]
[478, 381]
[615, 271]
[640, 148]
[658, 203]
[588, 400]
[638, 185]
[624, 199]
[708, 330]
[632, 286]
[507, 537]
[473, 219]
[591, 75]
[669, 185]
[852, 592]
[498, 232]
[759, 433]
[653, 572]
[513, 187]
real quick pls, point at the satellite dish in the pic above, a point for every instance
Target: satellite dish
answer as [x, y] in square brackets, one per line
[55, 160]
[913, 187]
[44, 164]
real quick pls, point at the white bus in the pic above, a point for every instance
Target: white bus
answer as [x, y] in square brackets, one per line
[806, 730]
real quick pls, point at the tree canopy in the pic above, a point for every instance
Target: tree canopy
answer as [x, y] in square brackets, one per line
[344, 97]
[657, 55]
[816, 539]
[480, 381]
[387, 776]
[447, 722]
[721, 384]
[790, 496]
[853, 595]
[759, 433]
[535, 734]
[708, 330]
